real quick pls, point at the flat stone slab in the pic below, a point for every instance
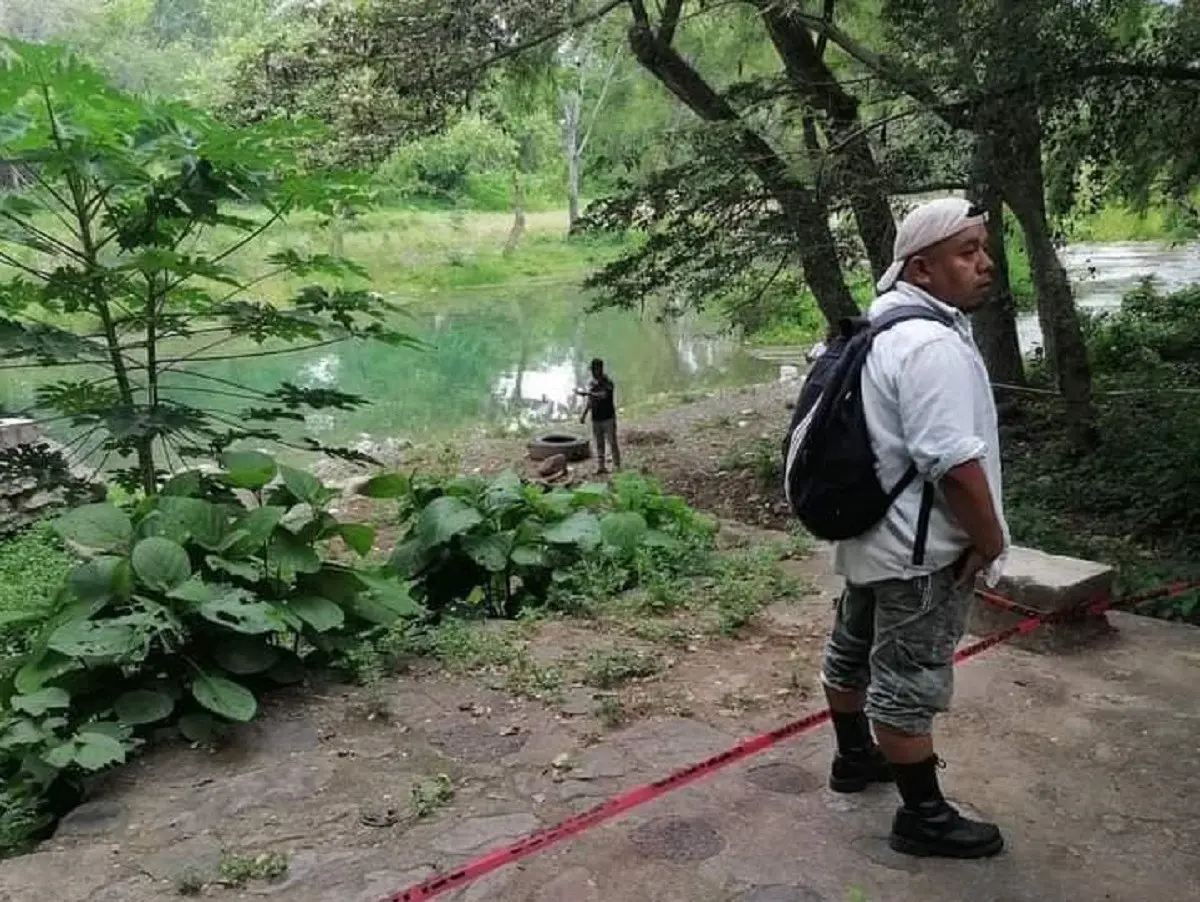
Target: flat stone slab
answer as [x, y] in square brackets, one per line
[1052, 582]
[1049, 584]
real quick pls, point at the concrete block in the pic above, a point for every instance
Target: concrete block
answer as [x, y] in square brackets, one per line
[1048, 584]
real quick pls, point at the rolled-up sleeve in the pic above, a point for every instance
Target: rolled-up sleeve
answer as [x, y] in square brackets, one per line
[937, 414]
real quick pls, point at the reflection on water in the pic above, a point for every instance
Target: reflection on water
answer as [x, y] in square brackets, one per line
[667, 357]
[495, 359]
[1102, 274]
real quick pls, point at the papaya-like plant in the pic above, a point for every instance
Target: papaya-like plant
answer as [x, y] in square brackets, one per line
[127, 259]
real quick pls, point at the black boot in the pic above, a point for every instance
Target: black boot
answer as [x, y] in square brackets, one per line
[929, 826]
[858, 762]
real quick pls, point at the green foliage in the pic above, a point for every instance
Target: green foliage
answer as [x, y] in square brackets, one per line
[184, 609]
[1153, 339]
[428, 796]
[32, 567]
[745, 583]
[503, 545]
[1131, 500]
[238, 870]
[761, 457]
[613, 668]
[106, 238]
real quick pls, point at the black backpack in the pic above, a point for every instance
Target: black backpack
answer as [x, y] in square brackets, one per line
[830, 478]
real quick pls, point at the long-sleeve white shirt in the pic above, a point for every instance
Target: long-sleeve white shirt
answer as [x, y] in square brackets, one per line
[928, 400]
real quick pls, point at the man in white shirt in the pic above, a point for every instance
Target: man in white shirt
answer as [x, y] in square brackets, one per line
[910, 579]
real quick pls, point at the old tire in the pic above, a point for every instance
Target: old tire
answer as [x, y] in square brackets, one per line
[571, 447]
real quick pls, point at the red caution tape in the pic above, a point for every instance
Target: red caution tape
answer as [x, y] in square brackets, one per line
[634, 798]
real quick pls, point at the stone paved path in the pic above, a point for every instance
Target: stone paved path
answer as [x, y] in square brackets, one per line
[1087, 760]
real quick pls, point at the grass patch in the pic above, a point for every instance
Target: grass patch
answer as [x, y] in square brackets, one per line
[238, 870]
[33, 565]
[760, 457]
[610, 669]
[747, 582]
[1120, 223]
[430, 796]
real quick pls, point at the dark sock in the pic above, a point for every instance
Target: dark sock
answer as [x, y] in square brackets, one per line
[853, 732]
[918, 783]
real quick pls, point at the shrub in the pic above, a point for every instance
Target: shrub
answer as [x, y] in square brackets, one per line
[501, 545]
[184, 609]
[1132, 500]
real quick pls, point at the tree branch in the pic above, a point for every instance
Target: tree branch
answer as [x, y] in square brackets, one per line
[254, 354]
[823, 40]
[903, 77]
[42, 235]
[608, 80]
[519, 48]
[670, 20]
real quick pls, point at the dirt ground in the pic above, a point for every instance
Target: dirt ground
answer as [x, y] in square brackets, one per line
[343, 794]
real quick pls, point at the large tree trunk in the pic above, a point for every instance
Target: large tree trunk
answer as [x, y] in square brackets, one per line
[808, 217]
[1017, 164]
[572, 109]
[996, 322]
[857, 174]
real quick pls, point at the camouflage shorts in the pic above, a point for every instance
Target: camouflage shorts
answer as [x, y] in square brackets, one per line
[896, 640]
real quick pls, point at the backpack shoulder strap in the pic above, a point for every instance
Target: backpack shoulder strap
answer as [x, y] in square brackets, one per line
[897, 315]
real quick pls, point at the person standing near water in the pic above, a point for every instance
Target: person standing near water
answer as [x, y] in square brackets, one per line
[602, 405]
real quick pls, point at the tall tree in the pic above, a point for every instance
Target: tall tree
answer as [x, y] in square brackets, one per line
[814, 83]
[806, 213]
[588, 72]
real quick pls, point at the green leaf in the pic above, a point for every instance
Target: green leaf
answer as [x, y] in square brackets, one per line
[115, 729]
[359, 537]
[289, 552]
[224, 697]
[48, 666]
[102, 579]
[161, 564]
[195, 590]
[60, 757]
[143, 706]
[319, 613]
[38, 703]
[386, 600]
[243, 655]
[240, 611]
[305, 486]
[258, 525]
[248, 469]
[657, 539]
[504, 492]
[386, 485]
[581, 529]
[247, 570]
[410, 558]
[201, 728]
[445, 518]
[205, 522]
[156, 523]
[490, 552]
[590, 495]
[529, 556]
[88, 639]
[96, 527]
[96, 751]
[183, 485]
[624, 530]
[22, 733]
